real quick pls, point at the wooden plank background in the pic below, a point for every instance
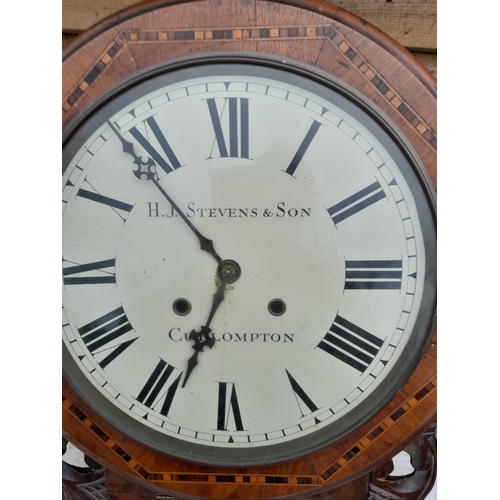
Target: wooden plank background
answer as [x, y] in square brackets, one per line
[412, 23]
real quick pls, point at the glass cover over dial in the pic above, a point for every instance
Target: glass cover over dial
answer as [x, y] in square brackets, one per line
[248, 259]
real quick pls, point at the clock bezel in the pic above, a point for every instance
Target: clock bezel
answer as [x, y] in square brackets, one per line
[397, 145]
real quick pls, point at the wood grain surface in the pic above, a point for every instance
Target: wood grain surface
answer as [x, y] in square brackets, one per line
[410, 23]
[330, 39]
[384, 482]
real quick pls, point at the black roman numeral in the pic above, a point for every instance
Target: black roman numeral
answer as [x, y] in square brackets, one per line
[105, 273]
[162, 142]
[351, 344]
[234, 130]
[99, 333]
[224, 408]
[300, 394]
[121, 208]
[373, 274]
[313, 129]
[89, 195]
[357, 202]
[150, 394]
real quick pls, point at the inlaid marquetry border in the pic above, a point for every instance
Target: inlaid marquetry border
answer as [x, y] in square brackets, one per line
[104, 437]
[104, 60]
[376, 79]
[131, 37]
[183, 477]
[375, 433]
[314, 32]
[250, 479]
[253, 479]
[235, 34]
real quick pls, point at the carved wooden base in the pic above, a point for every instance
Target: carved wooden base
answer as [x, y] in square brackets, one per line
[97, 483]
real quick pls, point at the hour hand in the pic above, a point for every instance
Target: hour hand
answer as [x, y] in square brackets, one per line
[228, 272]
[203, 338]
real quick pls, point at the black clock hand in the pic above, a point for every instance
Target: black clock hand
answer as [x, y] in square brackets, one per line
[227, 272]
[205, 337]
[150, 174]
[205, 243]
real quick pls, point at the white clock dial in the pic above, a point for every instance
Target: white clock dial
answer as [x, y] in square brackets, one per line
[308, 199]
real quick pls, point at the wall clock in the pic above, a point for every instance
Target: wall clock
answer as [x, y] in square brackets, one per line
[248, 246]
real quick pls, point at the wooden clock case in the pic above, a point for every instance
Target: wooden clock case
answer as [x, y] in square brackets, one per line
[330, 39]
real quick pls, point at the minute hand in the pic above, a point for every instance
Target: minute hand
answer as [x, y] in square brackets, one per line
[205, 243]
[150, 173]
